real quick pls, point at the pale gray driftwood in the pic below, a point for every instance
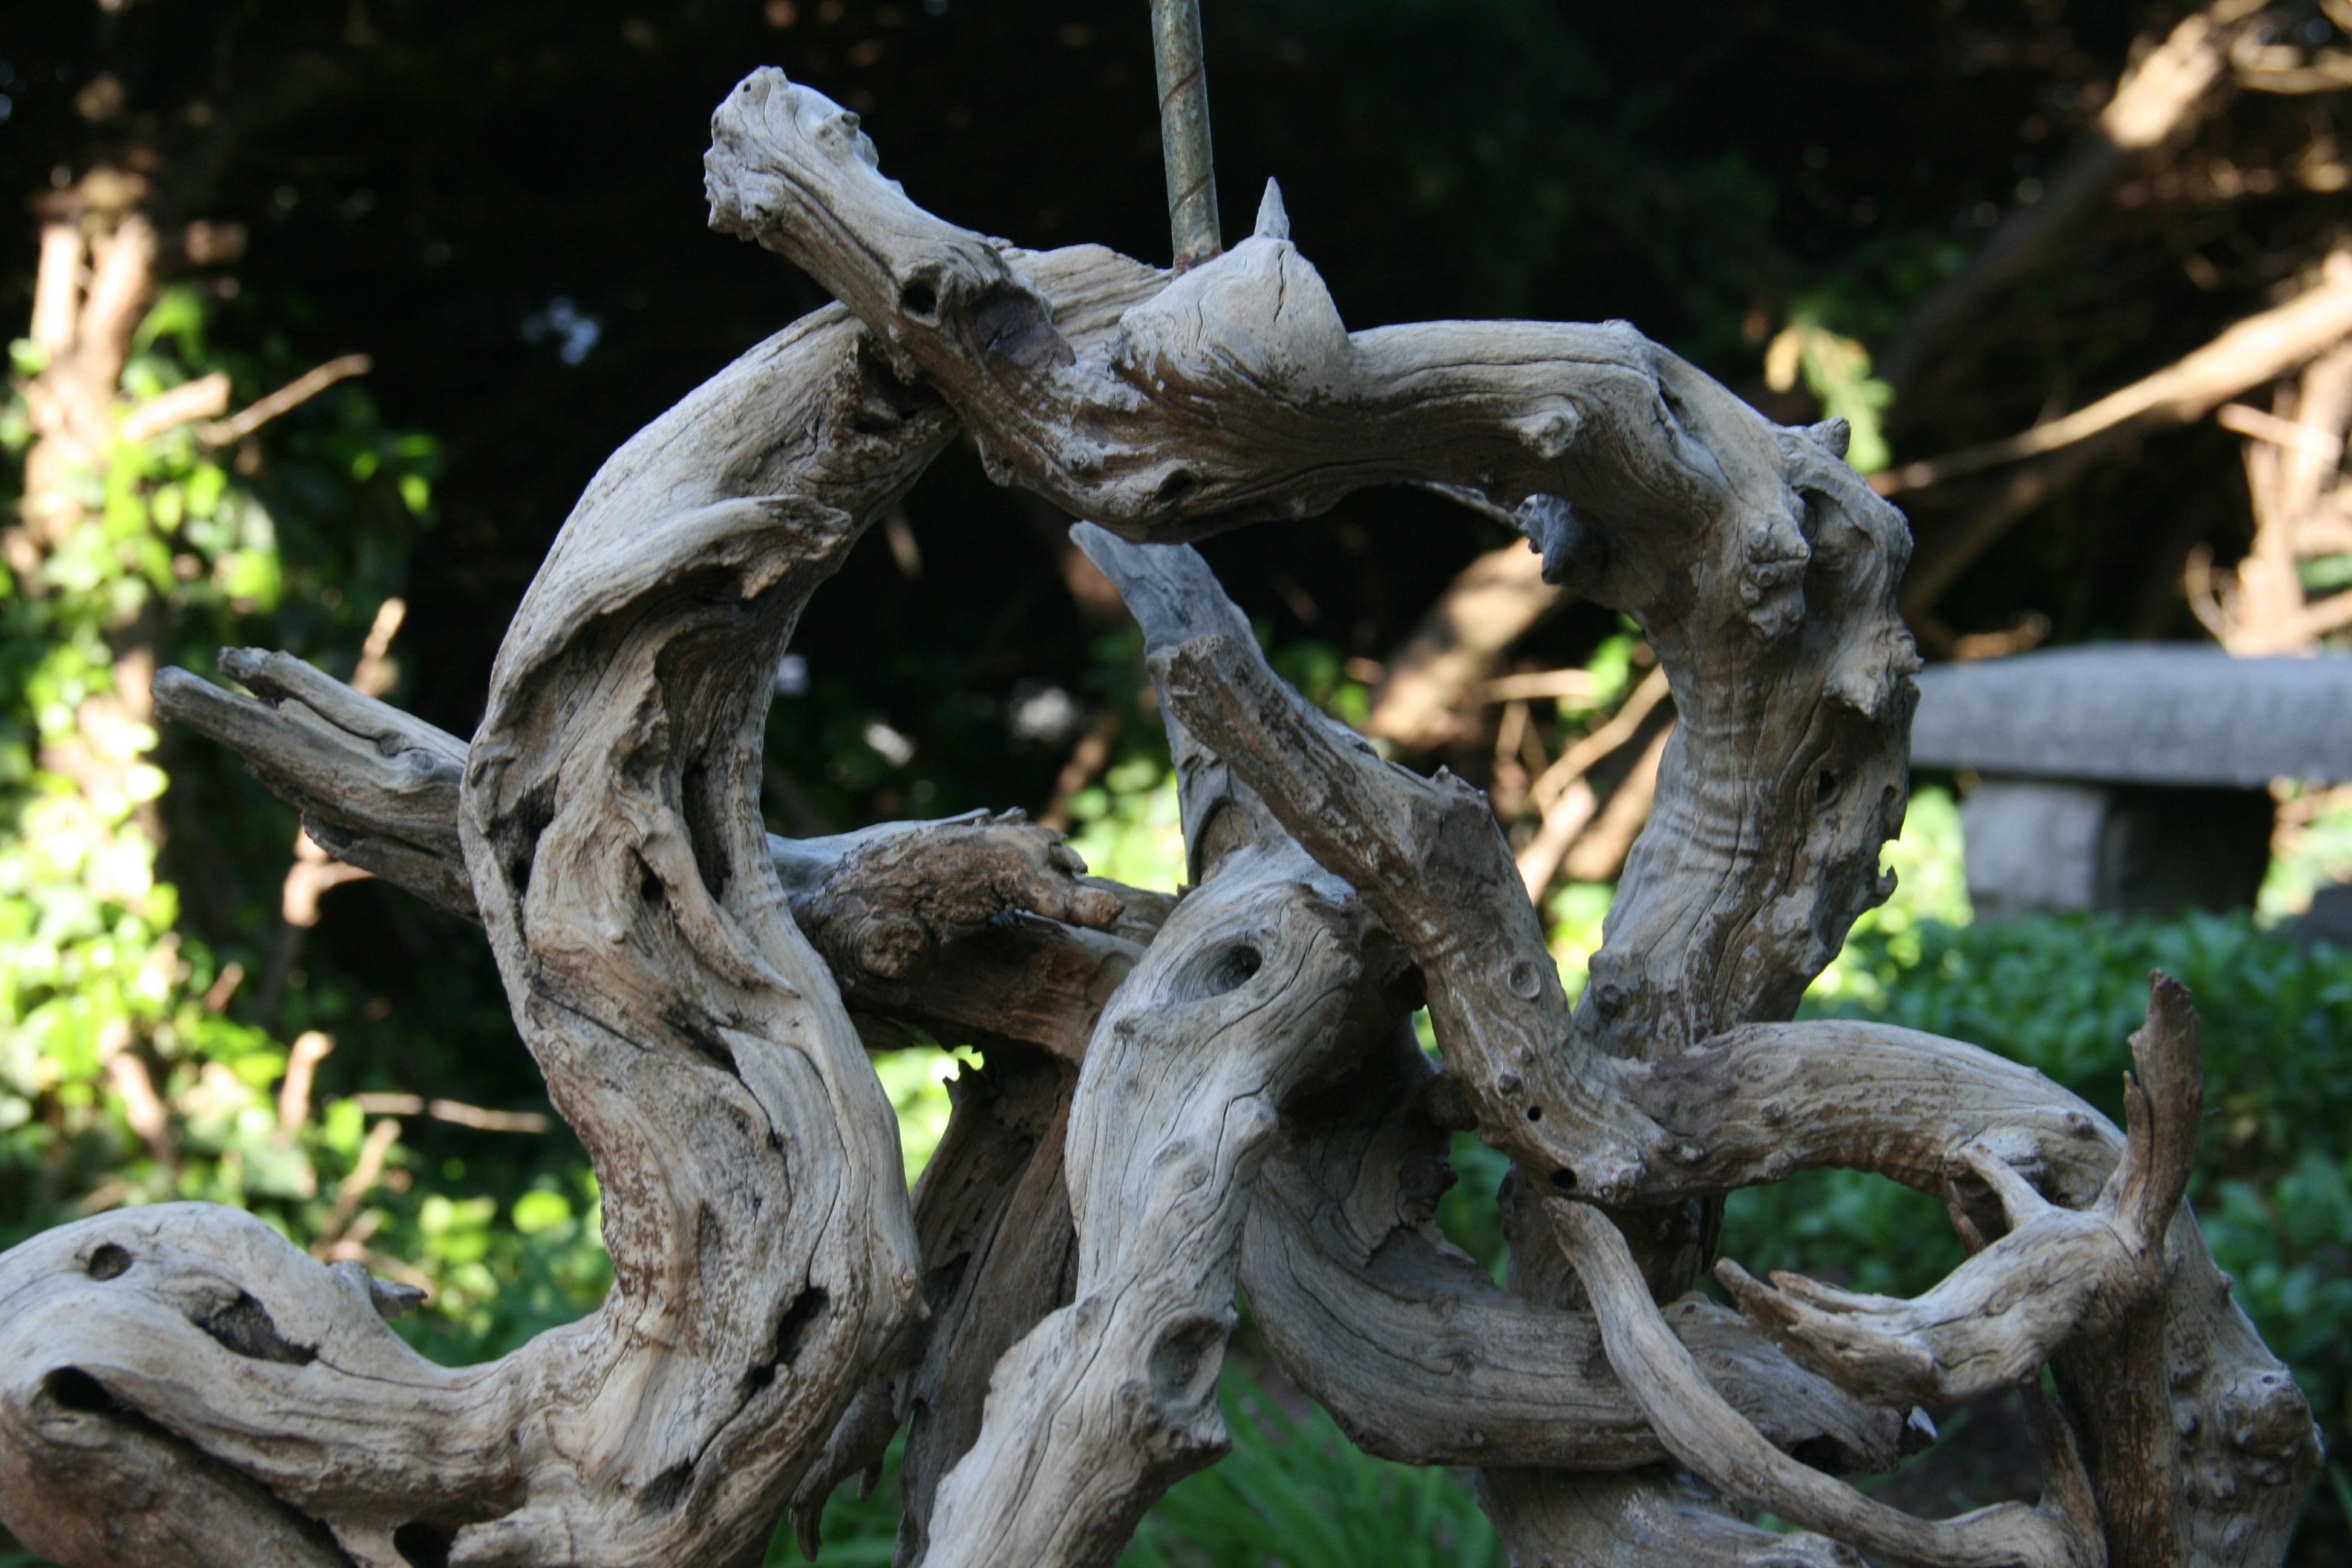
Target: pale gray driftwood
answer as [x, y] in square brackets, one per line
[185, 1388]
[1481, 1376]
[968, 926]
[1772, 1100]
[1711, 1437]
[1246, 992]
[685, 1030]
[1360, 1296]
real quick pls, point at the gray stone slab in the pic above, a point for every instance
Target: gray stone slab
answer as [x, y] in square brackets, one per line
[2139, 713]
[2150, 850]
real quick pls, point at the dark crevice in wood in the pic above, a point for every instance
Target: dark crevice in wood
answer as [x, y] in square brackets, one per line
[245, 1327]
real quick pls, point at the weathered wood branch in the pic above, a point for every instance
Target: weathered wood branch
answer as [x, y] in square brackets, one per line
[1421, 1358]
[2057, 1273]
[1246, 992]
[1429, 858]
[1762, 569]
[967, 926]
[1245, 1104]
[1340, 1241]
[1773, 1100]
[687, 1031]
[1709, 1437]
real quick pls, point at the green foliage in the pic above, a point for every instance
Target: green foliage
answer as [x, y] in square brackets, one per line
[2062, 993]
[2312, 851]
[499, 1279]
[858, 1531]
[1129, 828]
[1836, 371]
[916, 1081]
[126, 1076]
[1296, 1493]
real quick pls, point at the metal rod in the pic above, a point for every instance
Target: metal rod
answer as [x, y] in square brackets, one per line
[1185, 131]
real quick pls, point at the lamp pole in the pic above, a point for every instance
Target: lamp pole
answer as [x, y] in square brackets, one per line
[1185, 131]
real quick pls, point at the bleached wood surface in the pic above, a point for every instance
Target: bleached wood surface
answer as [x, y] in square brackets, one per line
[1179, 1096]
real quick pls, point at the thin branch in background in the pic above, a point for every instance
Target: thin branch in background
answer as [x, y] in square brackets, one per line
[2169, 89]
[2029, 632]
[365, 1172]
[1088, 759]
[454, 1112]
[900, 533]
[1599, 853]
[1511, 774]
[224, 987]
[1488, 605]
[2258, 349]
[57, 288]
[1564, 685]
[1565, 818]
[206, 398]
[1567, 801]
[374, 674]
[141, 1106]
[2293, 456]
[1579, 758]
[310, 1048]
[293, 394]
[2240, 419]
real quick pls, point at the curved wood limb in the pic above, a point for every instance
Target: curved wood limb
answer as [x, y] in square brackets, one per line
[151, 1356]
[2189, 1425]
[2056, 1274]
[686, 1029]
[1339, 1246]
[1713, 1439]
[1762, 567]
[975, 923]
[764, 1257]
[1246, 992]
[1421, 1358]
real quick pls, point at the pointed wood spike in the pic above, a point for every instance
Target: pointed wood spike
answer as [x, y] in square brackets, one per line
[1273, 218]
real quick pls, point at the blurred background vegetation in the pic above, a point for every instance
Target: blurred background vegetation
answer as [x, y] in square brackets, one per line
[323, 314]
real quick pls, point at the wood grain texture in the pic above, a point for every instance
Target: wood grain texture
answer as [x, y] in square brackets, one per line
[1182, 1093]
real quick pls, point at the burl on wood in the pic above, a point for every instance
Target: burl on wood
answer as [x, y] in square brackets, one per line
[1181, 1095]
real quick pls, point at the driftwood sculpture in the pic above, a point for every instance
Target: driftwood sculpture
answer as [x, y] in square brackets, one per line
[1182, 1094]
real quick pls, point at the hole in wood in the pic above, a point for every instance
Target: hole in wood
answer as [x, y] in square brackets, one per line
[1534, 1113]
[920, 300]
[71, 1388]
[1184, 1365]
[109, 1262]
[792, 1327]
[515, 836]
[244, 1327]
[1564, 1178]
[425, 1545]
[1218, 971]
[665, 1490]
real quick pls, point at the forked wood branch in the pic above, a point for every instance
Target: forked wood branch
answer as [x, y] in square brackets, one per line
[1181, 1095]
